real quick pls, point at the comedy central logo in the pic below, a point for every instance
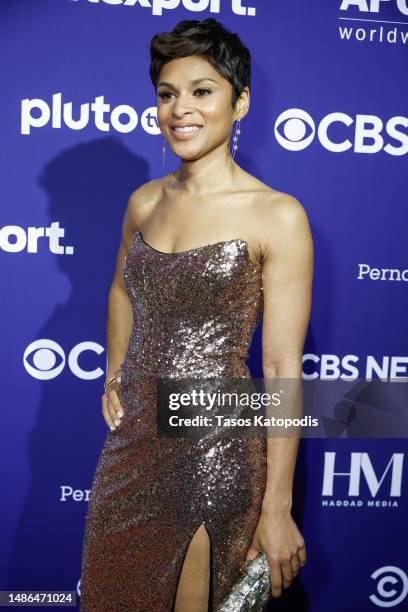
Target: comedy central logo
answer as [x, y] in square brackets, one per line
[337, 132]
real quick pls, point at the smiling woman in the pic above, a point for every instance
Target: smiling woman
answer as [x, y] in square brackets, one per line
[223, 67]
[207, 252]
[207, 104]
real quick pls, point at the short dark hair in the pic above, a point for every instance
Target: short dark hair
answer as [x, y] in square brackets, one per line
[208, 38]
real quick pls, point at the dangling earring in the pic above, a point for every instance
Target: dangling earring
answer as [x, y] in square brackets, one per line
[164, 150]
[235, 139]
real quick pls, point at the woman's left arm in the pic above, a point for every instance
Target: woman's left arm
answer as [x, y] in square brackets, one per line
[287, 288]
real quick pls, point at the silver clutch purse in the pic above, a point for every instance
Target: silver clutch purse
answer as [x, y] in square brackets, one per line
[252, 590]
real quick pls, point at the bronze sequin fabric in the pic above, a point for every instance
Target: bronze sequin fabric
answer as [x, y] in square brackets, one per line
[194, 314]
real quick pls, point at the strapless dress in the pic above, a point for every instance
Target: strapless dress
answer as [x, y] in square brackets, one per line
[194, 315]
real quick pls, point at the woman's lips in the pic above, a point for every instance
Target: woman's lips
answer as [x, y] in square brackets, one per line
[185, 135]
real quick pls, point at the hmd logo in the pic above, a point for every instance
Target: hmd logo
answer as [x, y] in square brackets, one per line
[384, 486]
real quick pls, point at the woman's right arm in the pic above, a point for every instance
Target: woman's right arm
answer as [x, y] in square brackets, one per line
[119, 320]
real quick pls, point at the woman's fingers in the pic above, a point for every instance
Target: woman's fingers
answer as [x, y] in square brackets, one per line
[114, 402]
[106, 413]
[252, 552]
[287, 574]
[112, 408]
[302, 555]
[294, 560]
[276, 578]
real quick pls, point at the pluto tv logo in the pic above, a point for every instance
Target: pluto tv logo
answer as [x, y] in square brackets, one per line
[123, 118]
[338, 132]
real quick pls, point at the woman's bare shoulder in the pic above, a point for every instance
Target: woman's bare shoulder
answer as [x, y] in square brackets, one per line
[277, 215]
[143, 195]
[267, 200]
[143, 199]
[278, 204]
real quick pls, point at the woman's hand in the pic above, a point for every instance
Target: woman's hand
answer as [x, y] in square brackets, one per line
[111, 407]
[279, 538]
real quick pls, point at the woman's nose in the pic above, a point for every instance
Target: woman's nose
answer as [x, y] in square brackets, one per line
[182, 106]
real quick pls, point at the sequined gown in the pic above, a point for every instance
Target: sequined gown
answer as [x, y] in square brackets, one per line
[194, 314]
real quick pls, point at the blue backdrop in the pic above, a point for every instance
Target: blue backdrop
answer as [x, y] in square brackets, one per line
[328, 123]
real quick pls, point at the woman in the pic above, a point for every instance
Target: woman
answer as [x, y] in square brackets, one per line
[206, 252]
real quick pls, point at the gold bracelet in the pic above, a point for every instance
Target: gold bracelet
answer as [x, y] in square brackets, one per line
[108, 382]
[117, 376]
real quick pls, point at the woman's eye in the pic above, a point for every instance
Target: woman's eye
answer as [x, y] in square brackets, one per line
[163, 94]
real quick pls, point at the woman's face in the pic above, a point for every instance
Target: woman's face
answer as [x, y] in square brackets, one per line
[190, 92]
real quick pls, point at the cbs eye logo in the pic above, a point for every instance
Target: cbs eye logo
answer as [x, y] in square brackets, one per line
[45, 359]
[294, 124]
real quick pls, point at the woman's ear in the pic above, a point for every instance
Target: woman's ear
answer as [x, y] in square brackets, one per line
[242, 104]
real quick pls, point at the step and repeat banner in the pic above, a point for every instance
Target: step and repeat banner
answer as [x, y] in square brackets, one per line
[328, 124]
